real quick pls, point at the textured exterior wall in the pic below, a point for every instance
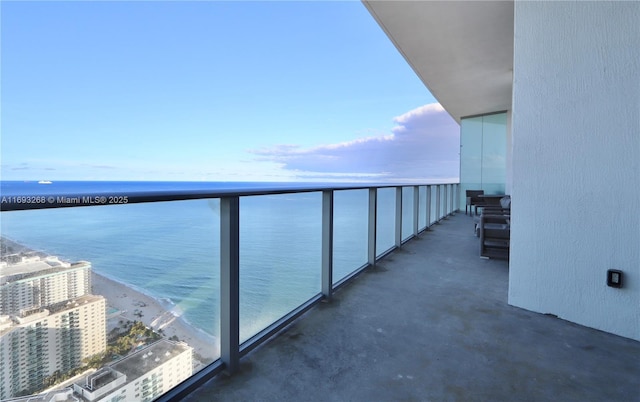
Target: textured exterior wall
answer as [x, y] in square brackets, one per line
[576, 162]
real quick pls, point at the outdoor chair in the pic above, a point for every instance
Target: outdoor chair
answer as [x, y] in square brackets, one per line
[473, 200]
[494, 229]
[504, 208]
[495, 233]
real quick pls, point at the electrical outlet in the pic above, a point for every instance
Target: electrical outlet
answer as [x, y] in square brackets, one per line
[614, 278]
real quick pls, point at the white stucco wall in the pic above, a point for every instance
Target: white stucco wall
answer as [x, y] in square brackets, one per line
[509, 178]
[576, 162]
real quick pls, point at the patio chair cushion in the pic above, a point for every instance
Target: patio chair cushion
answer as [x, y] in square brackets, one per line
[505, 202]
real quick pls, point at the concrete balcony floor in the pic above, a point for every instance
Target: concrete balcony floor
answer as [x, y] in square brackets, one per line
[431, 323]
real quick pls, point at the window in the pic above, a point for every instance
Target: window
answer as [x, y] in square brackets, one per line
[483, 154]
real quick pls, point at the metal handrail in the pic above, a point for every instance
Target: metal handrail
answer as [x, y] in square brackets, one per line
[19, 202]
[231, 348]
[446, 203]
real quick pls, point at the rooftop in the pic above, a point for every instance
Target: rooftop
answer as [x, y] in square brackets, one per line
[38, 314]
[128, 369]
[73, 303]
[36, 269]
[149, 358]
[65, 395]
[431, 322]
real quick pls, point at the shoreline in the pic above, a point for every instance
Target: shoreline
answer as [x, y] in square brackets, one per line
[134, 305]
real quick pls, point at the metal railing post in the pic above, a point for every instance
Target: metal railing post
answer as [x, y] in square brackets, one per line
[438, 212]
[416, 210]
[451, 199]
[445, 206]
[451, 207]
[428, 206]
[327, 243]
[373, 210]
[230, 283]
[398, 216]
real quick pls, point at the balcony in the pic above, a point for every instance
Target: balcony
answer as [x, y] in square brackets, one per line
[431, 322]
[427, 321]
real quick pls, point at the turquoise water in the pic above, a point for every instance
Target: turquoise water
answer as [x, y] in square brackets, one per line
[170, 250]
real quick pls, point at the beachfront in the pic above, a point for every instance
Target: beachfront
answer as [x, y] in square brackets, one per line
[136, 306]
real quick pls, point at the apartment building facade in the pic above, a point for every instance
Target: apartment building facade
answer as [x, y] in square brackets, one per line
[57, 338]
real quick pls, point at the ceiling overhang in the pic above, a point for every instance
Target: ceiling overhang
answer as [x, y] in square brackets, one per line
[461, 50]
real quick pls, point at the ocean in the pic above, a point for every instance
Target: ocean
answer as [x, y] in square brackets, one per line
[170, 250]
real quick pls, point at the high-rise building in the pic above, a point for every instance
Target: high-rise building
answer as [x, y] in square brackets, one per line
[45, 340]
[141, 376]
[37, 282]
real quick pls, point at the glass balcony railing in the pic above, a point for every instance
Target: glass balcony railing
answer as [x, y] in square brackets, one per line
[181, 284]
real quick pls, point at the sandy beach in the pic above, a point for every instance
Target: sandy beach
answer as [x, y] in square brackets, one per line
[135, 306]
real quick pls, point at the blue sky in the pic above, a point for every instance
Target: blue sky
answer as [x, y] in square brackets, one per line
[259, 91]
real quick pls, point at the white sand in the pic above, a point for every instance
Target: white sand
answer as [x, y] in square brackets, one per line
[129, 301]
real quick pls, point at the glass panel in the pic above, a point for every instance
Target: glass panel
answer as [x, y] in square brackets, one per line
[470, 156]
[350, 228]
[447, 199]
[434, 212]
[443, 200]
[483, 153]
[494, 152]
[437, 204]
[407, 212]
[113, 285]
[280, 256]
[385, 233]
[422, 207]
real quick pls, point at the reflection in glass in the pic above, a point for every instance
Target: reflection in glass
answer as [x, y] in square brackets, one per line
[385, 229]
[407, 212]
[280, 256]
[422, 208]
[350, 228]
[483, 151]
[434, 214]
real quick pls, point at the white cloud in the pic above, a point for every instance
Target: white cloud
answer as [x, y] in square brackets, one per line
[424, 144]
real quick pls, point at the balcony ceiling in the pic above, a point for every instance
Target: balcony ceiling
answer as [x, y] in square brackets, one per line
[462, 51]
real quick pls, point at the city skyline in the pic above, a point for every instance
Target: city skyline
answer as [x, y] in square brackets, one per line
[53, 330]
[215, 91]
